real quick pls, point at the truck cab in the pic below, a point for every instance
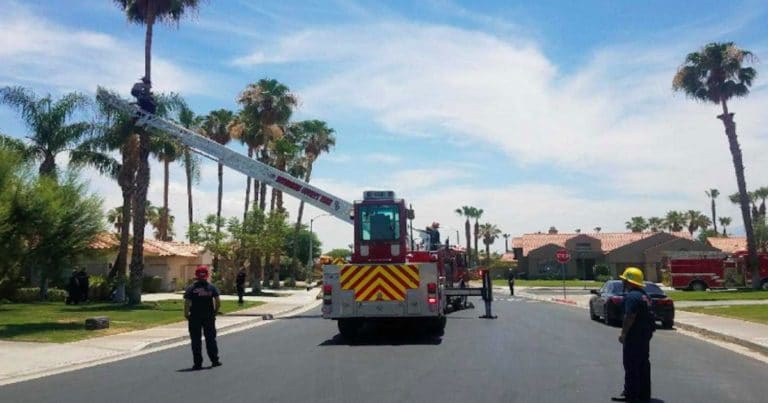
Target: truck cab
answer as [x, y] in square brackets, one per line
[380, 228]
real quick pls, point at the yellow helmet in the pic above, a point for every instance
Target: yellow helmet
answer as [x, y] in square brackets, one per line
[633, 275]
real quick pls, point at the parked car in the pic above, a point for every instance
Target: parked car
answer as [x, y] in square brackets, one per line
[608, 304]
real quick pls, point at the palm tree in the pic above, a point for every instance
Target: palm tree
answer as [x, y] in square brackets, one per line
[316, 138]
[51, 132]
[697, 220]
[144, 12]
[115, 217]
[252, 137]
[267, 105]
[215, 126]
[466, 211]
[598, 229]
[725, 222]
[637, 224]
[713, 194]
[506, 239]
[762, 194]
[716, 74]
[476, 214]
[655, 223]
[167, 149]
[191, 162]
[489, 233]
[674, 221]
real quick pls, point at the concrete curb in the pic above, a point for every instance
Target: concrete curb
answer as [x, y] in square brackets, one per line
[678, 324]
[227, 328]
[149, 347]
[723, 337]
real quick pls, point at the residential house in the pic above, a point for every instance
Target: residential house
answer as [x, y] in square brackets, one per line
[173, 262]
[535, 253]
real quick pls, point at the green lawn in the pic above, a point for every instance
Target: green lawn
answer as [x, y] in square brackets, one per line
[60, 323]
[717, 295]
[752, 313]
[550, 283]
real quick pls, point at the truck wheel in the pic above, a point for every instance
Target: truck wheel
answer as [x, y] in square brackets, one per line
[698, 286]
[348, 328]
[436, 326]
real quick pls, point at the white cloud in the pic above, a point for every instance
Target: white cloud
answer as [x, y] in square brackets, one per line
[37, 51]
[615, 118]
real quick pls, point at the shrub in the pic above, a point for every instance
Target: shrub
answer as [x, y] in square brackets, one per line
[602, 277]
[289, 282]
[604, 271]
[733, 278]
[32, 294]
[98, 288]
[151, 285]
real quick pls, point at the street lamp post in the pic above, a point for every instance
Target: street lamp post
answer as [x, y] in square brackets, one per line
[309, 256]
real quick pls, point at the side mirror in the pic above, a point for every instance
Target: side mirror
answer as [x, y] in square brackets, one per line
[596, 292]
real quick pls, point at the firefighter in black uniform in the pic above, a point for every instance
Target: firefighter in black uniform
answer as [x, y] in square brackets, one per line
[636, 334]
[201, 303]
[511, 281]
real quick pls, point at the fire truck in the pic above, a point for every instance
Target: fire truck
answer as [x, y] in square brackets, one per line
[699, 271]
[386, 278]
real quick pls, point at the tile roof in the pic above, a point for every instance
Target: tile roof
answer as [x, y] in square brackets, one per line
[105, 240]
[152, 247]
[729, 245]
[508, 257]
[608, 240]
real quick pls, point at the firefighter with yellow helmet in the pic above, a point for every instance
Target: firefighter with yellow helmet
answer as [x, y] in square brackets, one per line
[636, 333]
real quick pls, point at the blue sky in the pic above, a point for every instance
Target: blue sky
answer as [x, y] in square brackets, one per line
[541, 113]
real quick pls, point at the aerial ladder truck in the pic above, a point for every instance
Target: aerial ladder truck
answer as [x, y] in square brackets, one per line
[385, 279]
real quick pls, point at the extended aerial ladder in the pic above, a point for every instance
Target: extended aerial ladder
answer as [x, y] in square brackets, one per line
[379, 229]
[299, 189]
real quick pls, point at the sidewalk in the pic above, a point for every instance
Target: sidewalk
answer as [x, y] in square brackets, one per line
[747, 334]
[20, 361]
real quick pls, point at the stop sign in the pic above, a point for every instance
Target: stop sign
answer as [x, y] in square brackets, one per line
[563, 256]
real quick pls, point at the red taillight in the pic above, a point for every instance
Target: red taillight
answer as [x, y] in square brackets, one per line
[665, 301]
[327, 292]
[617, 300]
[432, 288]
[432, 300]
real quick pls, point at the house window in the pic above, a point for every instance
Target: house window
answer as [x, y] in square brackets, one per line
[583, 247]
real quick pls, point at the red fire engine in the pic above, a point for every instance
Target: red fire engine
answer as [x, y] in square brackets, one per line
[702, 270]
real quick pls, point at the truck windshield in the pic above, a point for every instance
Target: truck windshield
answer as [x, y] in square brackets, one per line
[380, 222]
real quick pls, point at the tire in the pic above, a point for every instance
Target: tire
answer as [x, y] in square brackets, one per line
[606, 318]
[764, 285]
[348, 328]
[436, 326]
[592, 313]
[667, 324]
[698, 286]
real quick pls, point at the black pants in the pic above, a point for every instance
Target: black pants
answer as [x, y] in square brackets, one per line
[637, 369]
[240, 293]
[208, 327]
[511, 287]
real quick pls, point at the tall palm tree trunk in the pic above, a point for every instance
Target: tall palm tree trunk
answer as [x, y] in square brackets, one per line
[295, 260]
[121, 262]
[714, 216]
[148, 44]
[477, 231]
[487, 254]
[468, 234]
[139, 219]
[218, 214]
[738, 165]
[164, 217]
[48, 167]
[188, 171]
[247, 187]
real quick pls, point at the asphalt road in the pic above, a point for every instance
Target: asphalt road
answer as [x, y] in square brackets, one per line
[534, 352]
